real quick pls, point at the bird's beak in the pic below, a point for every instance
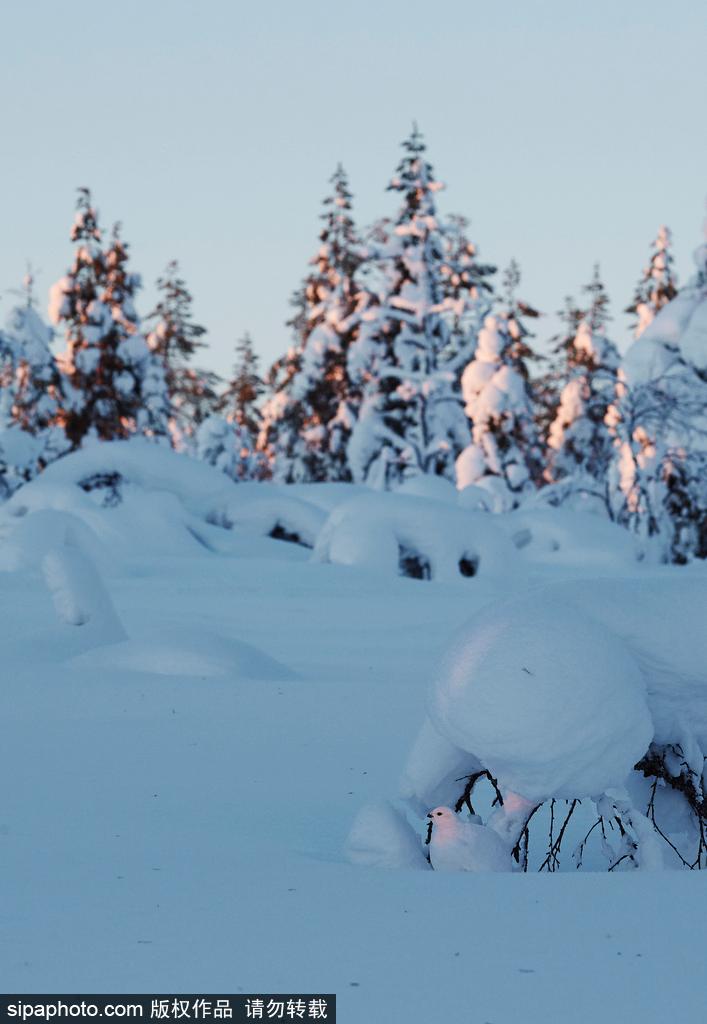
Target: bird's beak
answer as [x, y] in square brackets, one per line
[429, 815]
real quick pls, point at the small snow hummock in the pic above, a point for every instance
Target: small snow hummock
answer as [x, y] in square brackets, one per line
[78, 592]
[380, 837]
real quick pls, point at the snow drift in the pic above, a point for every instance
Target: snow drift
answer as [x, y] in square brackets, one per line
[412, 536]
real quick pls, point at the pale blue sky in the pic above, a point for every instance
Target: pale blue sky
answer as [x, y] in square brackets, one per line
[566, 131]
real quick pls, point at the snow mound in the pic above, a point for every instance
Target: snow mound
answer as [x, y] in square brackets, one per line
[69, 554]
[187, 652]
[325, 496]
[380, 837]
[27, 536]
[561, 692]
[661, 619]
[563, 537]
[550, 701]
[79, 593]
[137, 496]
[487, 494]
[433, 770]
[412, 536]
[200, 488]
[137, 522]
[438, 488]
[266, 511]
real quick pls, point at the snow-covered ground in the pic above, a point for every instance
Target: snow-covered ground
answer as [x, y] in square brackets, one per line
[194, 714]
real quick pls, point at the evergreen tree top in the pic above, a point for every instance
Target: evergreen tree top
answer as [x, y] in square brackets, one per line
[583, 339]
[570, 316]
[74, 298]
[658, 283]
[341, 196]
[85, 227]
[514, 307]
[175, 335]
[597, 315]
[415, 178]
[121, 284]
[26, 289]
[340, 252]
[594, 317]
[514, 312]
[237, 402]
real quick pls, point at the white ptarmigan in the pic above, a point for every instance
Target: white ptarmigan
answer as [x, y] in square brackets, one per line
[457, 845]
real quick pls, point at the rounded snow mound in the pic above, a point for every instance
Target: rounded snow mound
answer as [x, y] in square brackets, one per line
[190, 652]
[380, 837]
[549, 700]
[262, 509]
[429, 486]
[410, 536]
[561, 536]
[149, 466]
[138, 492]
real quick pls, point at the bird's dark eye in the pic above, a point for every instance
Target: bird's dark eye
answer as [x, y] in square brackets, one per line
[439, 814]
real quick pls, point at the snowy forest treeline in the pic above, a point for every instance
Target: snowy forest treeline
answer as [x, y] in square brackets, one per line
[409, 356]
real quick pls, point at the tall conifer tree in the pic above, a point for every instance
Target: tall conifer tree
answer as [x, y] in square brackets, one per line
[579, 439]
[411, 420]
[175, 338]
[308, 419]
[112, 385]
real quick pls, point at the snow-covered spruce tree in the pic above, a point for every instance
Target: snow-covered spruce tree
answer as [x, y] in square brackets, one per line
[279, 409]
[74, 302]
[308, 420]
[174, 337]
[547, 385]
[15, 466]
[579, 440]
[228, 446]
[411, 419]
[504, 456]
[143, 377]
[658, 284]
[238, 400]
[37, 380]
[659, 422]
[33, 392]
[227, 438]
[467, 286]
[111, 383]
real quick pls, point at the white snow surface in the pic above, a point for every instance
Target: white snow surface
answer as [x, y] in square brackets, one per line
[178, 803]
[197, 653]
